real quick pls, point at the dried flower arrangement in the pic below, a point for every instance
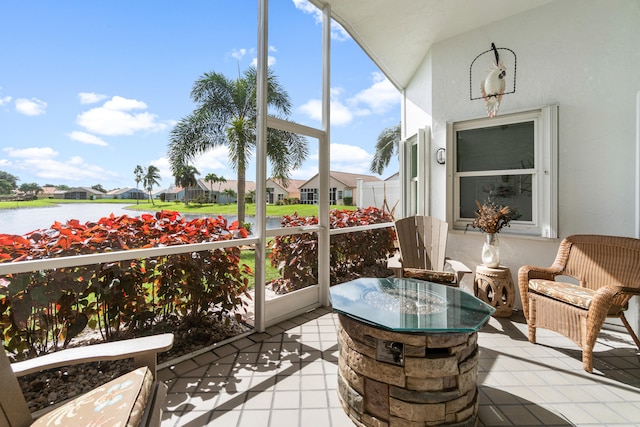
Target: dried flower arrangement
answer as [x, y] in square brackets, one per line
[491, 218]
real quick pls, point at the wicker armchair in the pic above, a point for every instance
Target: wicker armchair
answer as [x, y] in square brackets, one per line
[607, 269]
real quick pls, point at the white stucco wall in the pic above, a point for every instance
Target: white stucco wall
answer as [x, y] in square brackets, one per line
[582, 55]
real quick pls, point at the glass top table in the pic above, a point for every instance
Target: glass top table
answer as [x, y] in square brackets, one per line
[410, 305]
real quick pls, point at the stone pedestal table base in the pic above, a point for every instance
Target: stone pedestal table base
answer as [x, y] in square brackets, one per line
[430, 381]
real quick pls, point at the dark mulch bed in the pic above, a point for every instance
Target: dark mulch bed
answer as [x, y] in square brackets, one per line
[47, 388]
[55, 385]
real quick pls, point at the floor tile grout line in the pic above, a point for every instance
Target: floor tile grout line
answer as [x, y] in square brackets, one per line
[534, 401]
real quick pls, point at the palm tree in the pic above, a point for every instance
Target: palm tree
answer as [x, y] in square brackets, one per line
[150, 179]
[212, 178]
[226, 115]
[230, 195]
[251, 196]
[386, 146]
[186, 178]
[139, 173]
[221, 180]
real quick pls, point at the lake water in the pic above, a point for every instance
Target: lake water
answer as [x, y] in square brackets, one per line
[23, 220]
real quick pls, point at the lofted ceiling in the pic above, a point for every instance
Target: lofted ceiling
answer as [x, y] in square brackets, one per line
[397, 34]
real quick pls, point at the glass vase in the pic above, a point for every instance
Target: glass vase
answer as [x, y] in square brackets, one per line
[491, 251]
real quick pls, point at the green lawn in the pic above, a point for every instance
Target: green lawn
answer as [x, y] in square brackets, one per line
[42, 203]
[232, 209]
[248, 257]
[214, 209]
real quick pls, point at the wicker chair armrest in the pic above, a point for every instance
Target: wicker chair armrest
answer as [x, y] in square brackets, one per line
[611, 291]
[527, 272]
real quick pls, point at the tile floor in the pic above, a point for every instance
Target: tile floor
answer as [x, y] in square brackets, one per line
[286, 377]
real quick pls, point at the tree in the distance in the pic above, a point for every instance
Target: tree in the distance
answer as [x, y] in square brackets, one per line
[212, 178]
[386, 146]
[186, 178]
[99, 187]
[30, 188]
[151, 179]
[139, 174]
[230, 194]
[8, 182]
[226, 115]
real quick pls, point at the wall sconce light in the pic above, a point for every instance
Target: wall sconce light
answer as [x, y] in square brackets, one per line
[441, 156]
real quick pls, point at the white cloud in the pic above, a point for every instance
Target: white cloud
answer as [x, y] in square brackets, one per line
[313, 109]
[379, 98]
[76, 161]
[162, 164]
[271, 60]
[241, 53]
[347, 158]
[238, 53]
[76, 170]
[212, 161]
[348, 153]
[114, 118]
[90, 97]
[36, 153]
[350, 158]
[305, 173]
[42, 163]
[86, 138]
[337, 32]
[30, 107]
[4, 100]
[340, 113]
[119, 103]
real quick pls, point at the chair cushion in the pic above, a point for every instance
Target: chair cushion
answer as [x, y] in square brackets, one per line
[120, 402]
[575, 295]
[566, 292]
[430, 275]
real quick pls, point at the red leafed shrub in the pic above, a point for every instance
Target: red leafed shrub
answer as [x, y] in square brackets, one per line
[43, 310]
[296, 256]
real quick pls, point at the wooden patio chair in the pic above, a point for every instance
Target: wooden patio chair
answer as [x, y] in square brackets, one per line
[607, 270]
[423, 243]
[136, 398]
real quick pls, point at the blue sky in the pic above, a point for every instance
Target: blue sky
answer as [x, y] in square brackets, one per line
[90, 89]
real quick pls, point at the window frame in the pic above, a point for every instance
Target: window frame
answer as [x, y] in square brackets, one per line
[544, 174]
[306, 192]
